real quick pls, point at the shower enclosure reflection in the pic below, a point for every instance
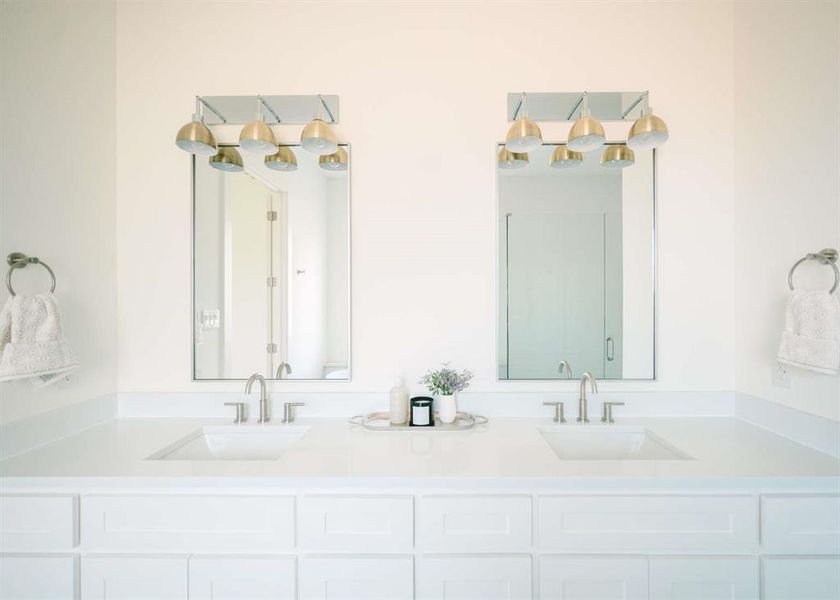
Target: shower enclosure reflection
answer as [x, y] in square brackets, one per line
[576, 269]
[271, 270]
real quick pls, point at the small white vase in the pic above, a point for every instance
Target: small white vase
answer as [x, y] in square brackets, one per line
[447, 408]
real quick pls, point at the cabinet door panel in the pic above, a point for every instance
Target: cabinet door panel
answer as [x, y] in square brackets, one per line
[591, 578]
[356, 578]
[242, 578]
[38, 523]
[703, 578]
[801, 578]
[33, 577]
[134, 578]
[474, 578]
[800, 524]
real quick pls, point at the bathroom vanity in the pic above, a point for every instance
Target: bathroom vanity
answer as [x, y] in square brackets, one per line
[658, 508]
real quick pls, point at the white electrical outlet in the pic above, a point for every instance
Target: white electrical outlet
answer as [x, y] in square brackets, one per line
[780, 376]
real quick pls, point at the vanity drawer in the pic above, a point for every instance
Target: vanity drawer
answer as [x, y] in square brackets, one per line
[474, 523]
[30, 523]
[800, 524]
[356, 523]
[179, 523]
[650, 524]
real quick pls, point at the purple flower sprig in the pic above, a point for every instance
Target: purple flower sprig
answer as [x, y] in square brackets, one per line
[446, 381]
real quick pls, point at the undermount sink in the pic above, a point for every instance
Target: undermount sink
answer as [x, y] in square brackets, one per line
[241, 442]
[608, 442]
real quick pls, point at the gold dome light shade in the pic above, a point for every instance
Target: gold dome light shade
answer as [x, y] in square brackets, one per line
[283, 160]
[258, 138]
[586, 134]
[563, 158]
[228, 160]
[319, 138]
[196, 138]
[337, 161]
[617, 157]
[649, 131]
[523, 136]
[512, 160]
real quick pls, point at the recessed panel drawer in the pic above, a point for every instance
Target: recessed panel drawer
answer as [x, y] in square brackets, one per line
[448, 577]
[657, 523]
[800, 524]
[356, 523]
[179, 523]
[453, 523]
[32, 523]
[356, 578]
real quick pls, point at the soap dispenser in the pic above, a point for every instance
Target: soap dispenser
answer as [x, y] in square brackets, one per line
[399, 403]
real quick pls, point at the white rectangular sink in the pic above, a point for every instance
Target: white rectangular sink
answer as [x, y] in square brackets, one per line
[242, 442]
[608, 442]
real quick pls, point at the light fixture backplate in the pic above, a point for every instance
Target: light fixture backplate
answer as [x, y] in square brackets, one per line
[556, 107]
[291, 110]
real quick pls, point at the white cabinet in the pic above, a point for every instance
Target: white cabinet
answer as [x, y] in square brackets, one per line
[134, 578]
[800, 524]
[188, 523]
[703, 578]
[242, 578]
[593, 578]
[356, 578]
[468, 523]
[474, 577]
[648, 524]
[801, 578]
[38, 523]
[356, 523]
[31, 577]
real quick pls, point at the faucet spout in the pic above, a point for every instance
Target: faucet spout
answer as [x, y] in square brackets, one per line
[265, 413]
[283, 367]
[583, 412]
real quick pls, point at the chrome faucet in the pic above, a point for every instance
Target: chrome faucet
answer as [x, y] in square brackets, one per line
[565, 366]
[281, 368]
[583, 413]
[265, 415]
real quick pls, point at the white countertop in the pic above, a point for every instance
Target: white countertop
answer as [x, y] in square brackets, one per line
[726, 453]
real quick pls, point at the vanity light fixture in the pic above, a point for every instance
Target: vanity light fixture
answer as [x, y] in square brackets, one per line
[563, 158]
[228, 160]
[256, 136]
[649, 131]
[195, 137]
[512, 160]
[318, 137]
[524, 135]
[283, 160]
[337, 161]
[587, 133]
[617, 156]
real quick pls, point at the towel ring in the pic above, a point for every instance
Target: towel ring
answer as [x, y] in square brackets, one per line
[19, 260]
[827, 256]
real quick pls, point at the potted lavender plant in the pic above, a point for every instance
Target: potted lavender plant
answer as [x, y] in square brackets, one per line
[443, 384]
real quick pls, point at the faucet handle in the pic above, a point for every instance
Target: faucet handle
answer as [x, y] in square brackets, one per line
[241, 411]
[606, 412]
[288, 411]
[559, 413]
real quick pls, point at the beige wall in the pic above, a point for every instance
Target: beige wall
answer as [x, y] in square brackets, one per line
[787, 196]
[57, 182]
[423, 90]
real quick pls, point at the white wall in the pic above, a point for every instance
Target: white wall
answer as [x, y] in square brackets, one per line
[423, 92]
[787, 197]
[57, 182]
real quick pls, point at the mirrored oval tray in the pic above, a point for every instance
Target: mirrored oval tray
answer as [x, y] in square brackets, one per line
[381, 421]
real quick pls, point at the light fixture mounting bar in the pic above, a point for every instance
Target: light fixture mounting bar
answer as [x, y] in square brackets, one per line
[269, 109]
[326, 108]
[563, 107]
[634, 104]
[210, 107]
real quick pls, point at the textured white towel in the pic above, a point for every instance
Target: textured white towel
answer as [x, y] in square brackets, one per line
[811, 339]
[32, 345]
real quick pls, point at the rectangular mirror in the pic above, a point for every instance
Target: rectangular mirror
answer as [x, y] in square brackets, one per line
[576, 268]
[271, 272]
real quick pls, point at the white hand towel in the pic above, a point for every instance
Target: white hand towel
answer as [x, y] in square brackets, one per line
[32, 345]
[811, 339]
